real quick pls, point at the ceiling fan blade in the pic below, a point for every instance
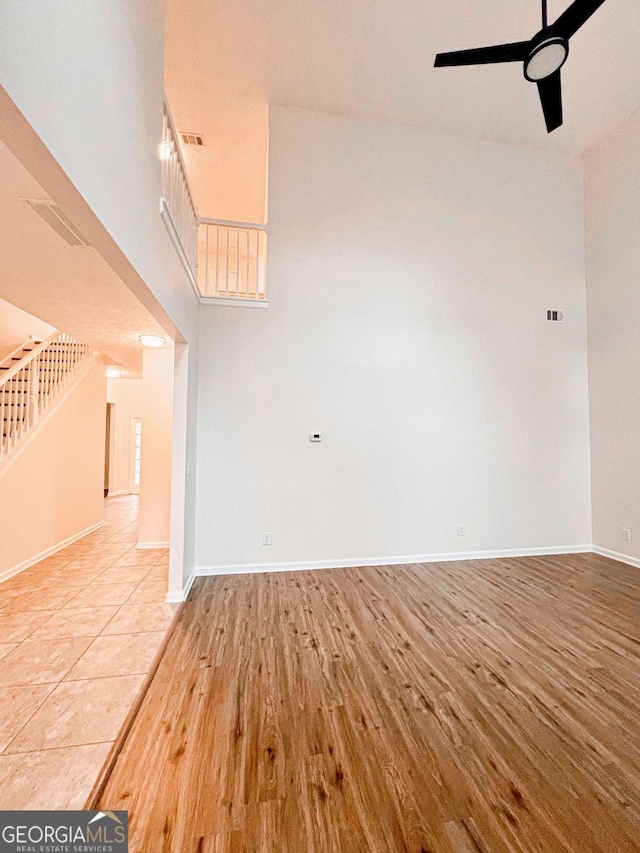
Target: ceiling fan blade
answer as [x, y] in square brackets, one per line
[575, 16]
[515, 52]
[550, 90]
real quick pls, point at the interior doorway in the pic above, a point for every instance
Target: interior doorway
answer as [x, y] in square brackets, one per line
[108, 447]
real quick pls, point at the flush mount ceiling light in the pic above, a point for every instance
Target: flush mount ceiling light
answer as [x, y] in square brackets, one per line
[113, 373]
[542, 56]
[152, 340]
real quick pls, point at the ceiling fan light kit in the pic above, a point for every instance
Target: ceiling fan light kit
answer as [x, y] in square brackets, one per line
[546, 58]
[542, 57]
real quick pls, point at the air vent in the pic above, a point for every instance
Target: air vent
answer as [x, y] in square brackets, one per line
[56, 219]
[192, 138]
[555, 316]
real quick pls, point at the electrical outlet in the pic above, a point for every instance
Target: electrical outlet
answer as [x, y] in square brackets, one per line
[315, 436]
[266, 539]
[461, 530]
[626, 534]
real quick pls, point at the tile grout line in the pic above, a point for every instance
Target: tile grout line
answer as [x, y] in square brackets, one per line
[53, 748]
[3, 751]
[35, 581]
[55, 687]
[107, 768]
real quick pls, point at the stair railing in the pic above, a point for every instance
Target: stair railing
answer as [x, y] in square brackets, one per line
[177, 206]
[233, 260]
[32, 384]
[18, 353]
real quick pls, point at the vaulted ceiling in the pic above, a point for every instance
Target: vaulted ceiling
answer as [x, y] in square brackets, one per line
[374, 58]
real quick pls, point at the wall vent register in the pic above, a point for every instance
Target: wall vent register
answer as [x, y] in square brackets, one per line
[192, 138]
[56, 220]
[554, 316]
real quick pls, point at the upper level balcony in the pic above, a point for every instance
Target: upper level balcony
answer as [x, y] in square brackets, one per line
[225, 259]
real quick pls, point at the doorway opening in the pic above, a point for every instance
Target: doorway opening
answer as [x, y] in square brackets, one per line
[108, 447]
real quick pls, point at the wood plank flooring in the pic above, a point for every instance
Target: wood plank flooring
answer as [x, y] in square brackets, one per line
[446, 708]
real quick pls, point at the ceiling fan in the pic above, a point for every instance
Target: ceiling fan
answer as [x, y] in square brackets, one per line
[543, 56]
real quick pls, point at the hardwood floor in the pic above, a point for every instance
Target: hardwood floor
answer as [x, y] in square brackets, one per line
[447, 708]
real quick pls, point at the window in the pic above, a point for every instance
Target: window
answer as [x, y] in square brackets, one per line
[137, 451]
[136, 456]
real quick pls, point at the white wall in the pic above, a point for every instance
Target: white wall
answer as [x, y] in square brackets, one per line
[88, 77]
[94, 96]
[53, 489]
[612, 203]
[126, 396]
[16, 327]
[409, 277]
[157, 428]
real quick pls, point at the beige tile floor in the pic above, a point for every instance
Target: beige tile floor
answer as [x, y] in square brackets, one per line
[78, 633]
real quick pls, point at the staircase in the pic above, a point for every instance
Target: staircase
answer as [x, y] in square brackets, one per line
[31, 379]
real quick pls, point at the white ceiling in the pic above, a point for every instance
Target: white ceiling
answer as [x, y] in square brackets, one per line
[72, 288]
[374, 58]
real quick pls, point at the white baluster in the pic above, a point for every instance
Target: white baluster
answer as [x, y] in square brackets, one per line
[217, 288]
[3, 391]
[33, 391]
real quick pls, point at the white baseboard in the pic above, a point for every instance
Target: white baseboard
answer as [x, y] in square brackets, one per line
[48, 552]
[118, 494]
[151, 546]
[616, 555]
[253, 568]
[177, 597]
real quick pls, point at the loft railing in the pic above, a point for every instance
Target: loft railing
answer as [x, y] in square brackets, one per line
[232, 260]
[31, 385]
[224, 260]
[177, 207]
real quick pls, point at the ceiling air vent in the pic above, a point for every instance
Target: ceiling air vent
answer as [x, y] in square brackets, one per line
[56, 219]
[554, 316]
[192, 138]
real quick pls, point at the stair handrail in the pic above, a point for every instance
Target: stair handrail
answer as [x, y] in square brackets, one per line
[21, 348]
[35, 352]
[177, 206]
